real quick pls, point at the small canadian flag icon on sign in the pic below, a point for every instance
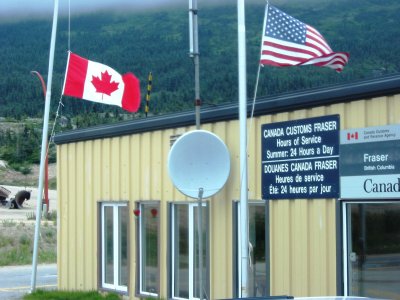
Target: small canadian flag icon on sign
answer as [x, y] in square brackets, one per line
[352, 136]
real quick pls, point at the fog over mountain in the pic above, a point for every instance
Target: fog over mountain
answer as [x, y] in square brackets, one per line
[33, 7]
[27, 8]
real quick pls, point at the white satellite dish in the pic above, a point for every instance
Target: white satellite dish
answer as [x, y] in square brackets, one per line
[199, 160]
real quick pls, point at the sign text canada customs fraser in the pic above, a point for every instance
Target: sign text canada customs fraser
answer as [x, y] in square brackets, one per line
[300, 158]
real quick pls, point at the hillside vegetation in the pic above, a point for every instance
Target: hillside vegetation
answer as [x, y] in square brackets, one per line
[20, 147]
[157, 41]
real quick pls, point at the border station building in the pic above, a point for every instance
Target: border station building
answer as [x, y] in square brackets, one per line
[124, 227]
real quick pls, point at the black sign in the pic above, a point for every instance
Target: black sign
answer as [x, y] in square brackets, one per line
[300, 159]
[363, 159]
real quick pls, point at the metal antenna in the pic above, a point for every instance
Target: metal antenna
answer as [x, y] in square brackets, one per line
[194, 53]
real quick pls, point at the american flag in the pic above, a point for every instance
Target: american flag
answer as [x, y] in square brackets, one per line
[288, 42]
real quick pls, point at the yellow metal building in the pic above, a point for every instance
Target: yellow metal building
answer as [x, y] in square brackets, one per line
[123, 226]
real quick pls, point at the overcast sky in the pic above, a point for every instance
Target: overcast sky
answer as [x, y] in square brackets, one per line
[26, 7]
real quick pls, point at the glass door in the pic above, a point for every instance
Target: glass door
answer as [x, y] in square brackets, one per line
[186, 252]
[258, 271]
[372, 242]
[258, 279]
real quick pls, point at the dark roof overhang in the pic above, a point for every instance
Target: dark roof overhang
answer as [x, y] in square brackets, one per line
[366, 89]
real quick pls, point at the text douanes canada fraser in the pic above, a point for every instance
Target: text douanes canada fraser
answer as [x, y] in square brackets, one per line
[305, 166]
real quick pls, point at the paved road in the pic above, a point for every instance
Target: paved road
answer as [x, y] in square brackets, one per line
[16, 281]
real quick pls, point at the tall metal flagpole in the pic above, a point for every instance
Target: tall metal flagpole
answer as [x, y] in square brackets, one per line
[44, 147]
[243, 148]
[194, 53]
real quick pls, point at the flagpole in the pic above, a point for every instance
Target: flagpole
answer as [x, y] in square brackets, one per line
[44, 147]
[194, 53]
[243, 148]
[259, 69]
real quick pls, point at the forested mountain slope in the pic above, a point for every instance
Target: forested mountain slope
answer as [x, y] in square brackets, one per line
[157, 41]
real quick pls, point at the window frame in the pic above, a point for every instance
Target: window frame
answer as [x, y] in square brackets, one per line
[206, 264]
[345, 218]
[140, 292]
[237, 247]
[115, 287]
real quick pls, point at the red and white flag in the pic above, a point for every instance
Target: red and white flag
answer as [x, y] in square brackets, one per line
[96, 82]
[352, 136]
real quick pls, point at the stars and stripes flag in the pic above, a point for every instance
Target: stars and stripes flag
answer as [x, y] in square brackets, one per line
[289, 42]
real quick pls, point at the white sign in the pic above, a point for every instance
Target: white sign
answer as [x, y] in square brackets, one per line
[370, 163]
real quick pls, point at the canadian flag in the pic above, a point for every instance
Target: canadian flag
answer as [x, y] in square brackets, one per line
[96, 82]
[352, 136]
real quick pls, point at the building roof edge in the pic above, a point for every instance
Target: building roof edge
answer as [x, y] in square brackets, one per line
[265, 105]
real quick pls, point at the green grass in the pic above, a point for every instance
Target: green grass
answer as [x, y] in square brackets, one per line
[8, 223]
[16, 243]
[5, 241]
[53, 183]
[50, 216]
[65, 295]
[17, 256]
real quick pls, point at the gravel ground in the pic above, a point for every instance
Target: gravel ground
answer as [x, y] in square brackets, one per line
[15, 182]
[28, 207]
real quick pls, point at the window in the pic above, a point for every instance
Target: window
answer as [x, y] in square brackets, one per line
[258, 278]
[114, 246]
[148, 250]
[187, 257]
[372, 249]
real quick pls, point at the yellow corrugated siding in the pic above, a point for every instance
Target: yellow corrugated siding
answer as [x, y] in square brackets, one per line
[89, 215]
[303, 247]
[220, 218]
[134, 167]
[97, 194]
[79, 209]
[72, 217]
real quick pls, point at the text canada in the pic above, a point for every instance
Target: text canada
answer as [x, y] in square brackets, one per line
[381, 187]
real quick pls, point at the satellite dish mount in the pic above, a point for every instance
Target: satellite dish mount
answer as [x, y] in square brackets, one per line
[199, 166]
